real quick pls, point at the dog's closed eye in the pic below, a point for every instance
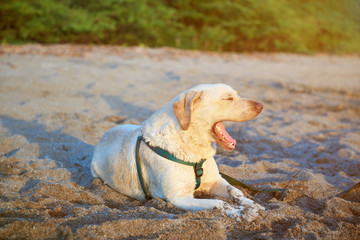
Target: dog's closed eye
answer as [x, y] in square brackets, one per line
[229, 98]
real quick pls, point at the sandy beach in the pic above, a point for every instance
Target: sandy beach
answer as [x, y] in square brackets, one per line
[57, 101]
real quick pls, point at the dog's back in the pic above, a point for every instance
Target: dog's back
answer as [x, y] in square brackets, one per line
[113, 159]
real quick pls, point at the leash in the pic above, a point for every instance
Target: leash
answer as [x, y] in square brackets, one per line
[237, 183]
[198, 170]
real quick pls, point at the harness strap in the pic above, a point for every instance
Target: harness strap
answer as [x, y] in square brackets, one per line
[198, 170]
[138, 167]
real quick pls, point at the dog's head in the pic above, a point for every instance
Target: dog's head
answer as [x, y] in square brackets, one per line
[207, 106]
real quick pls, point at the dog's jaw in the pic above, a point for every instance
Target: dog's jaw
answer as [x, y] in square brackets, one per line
[223, 139]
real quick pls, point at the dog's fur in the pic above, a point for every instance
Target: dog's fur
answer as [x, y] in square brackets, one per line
[185, 128]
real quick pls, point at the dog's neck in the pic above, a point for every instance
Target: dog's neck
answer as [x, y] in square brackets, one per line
[196, 142]
[190, 145]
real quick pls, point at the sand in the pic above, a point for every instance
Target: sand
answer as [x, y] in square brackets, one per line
[57, 101]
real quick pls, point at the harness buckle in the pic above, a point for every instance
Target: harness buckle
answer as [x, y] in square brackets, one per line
[199, 172]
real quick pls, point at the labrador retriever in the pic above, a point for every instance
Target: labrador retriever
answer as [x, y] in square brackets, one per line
[171, 155]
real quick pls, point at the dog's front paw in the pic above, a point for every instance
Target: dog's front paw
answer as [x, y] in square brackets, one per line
[238, 197]
[243, 201]
[241, 213]
[251, 208]
[234, 212]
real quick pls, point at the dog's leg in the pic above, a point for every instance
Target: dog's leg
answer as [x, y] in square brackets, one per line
[223, 189]
[190, 203]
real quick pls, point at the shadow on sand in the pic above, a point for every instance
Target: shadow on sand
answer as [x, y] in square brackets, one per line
[68, 151]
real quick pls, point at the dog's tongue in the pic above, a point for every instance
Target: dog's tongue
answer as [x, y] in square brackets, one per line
[222, 133]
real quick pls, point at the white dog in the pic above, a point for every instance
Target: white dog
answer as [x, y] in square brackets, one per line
[170, 155]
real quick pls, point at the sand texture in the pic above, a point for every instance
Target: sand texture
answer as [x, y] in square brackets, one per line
[57, 101]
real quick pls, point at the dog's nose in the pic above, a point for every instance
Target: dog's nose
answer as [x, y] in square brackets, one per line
[258, 106]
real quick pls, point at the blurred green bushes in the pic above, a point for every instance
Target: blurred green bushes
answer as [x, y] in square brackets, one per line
[222, 25]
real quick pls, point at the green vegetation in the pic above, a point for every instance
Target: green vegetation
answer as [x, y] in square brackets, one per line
[221, 25]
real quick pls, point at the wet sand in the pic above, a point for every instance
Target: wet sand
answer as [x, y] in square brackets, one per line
[57, 101]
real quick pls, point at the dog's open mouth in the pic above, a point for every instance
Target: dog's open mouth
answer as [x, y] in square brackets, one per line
[223, 139]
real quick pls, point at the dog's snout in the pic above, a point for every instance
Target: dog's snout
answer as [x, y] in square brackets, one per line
[258, 106]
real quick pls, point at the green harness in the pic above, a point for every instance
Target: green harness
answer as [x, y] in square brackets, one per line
[198, 170]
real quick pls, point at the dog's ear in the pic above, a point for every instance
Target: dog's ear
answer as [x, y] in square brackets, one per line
[184, 107]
